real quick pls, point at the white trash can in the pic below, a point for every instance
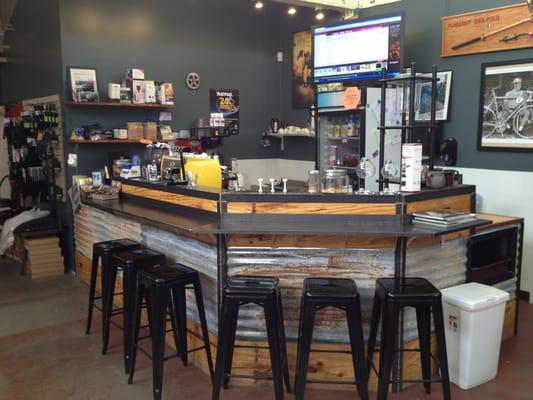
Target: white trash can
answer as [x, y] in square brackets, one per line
[473, 320]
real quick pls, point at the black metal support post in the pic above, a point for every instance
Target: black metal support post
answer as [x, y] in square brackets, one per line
[382, 130]
[222, 273]
[400, 252]
[433, 116]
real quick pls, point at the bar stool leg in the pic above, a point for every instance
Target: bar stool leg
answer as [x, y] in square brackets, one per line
[306, 335]
[92, 290]
[174, 322]
[221, 349]
[355, 329]
[283, 343]
[108, 305]
[374, 325]
[232, 334]
[129, 285]
[203, 324]
[441, 343]
[159, 300]
[423, 318]
[274, 339]
[135, 331]
[180, 308]
[389, 331]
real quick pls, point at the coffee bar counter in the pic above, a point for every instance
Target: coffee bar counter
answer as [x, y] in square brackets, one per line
[291, 236]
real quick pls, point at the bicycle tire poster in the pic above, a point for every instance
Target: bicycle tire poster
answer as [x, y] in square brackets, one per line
[506, 106]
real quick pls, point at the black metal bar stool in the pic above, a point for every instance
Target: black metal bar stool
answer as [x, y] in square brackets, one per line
[319, 293]
[391, 296]
[163, 287]
[264, 292]
[104, 251]
[130, 262]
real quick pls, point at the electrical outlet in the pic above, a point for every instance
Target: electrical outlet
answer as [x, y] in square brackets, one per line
[279, 56]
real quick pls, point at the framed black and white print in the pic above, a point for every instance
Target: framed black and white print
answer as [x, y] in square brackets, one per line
[506, 106]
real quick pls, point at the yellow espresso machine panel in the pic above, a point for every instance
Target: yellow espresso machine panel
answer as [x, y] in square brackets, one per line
[207, 171]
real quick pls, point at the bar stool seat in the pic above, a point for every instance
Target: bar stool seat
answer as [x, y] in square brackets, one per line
[103, 251]
[130, 262]
[264, 292]
[163, 287]
[330, 288]
[319, 293]
[391, 296]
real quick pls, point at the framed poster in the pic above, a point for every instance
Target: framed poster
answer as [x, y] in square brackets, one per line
[224, 107]
[303, 95]
[82, 84]
[506, 106]
[423, 98]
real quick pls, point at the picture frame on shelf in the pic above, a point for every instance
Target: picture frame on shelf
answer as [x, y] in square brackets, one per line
[506, 106]
[423, 98]
[83, 84]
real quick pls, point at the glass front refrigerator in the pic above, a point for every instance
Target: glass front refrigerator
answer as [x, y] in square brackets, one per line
[340, 135]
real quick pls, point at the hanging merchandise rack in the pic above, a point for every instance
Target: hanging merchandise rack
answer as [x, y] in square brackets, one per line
[407, 83]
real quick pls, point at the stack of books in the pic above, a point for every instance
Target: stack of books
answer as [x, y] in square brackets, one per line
[442, 218]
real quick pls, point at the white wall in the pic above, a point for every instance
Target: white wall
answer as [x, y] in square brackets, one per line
[507, 193]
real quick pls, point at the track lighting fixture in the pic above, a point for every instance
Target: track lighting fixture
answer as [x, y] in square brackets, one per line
[291, 10]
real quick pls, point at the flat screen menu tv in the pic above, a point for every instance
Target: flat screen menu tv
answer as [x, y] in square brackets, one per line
[358, 50]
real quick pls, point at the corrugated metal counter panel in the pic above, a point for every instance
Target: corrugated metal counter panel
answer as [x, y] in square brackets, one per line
[92, 225]
[195, 254]
[443, 264]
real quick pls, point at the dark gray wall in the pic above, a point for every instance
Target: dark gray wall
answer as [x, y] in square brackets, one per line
[423, 45]
[229, 43]
[34, 67]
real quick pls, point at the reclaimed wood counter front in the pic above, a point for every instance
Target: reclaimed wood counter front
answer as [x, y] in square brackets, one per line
[291, 236]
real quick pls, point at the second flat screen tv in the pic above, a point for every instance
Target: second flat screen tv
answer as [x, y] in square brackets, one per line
[358, 50]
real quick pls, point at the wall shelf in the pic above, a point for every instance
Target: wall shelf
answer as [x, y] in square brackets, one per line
[282, 137]
[103, 104]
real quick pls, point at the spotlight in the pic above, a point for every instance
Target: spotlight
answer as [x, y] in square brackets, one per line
[259, 5]
[292, 11]
[319, 14]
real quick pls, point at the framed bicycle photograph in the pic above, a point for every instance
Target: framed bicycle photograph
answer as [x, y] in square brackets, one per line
[506, 106]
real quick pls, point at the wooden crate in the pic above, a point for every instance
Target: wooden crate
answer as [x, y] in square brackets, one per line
[44, 257]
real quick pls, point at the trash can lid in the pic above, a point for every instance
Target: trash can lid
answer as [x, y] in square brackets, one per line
[474, 296]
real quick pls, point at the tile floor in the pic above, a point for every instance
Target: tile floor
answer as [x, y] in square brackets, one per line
[45, 355]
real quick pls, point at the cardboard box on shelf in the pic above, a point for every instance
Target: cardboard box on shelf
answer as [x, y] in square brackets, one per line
[138, 91]
[150, 131]
[165, 93]
[135, 131]
[135, 73]
[149, 88]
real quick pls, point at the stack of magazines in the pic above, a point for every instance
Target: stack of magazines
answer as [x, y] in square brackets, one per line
[442, 218]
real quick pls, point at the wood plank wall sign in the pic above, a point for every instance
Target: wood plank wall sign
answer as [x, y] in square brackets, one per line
[495, 29]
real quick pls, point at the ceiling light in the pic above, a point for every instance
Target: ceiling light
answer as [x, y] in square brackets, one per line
[319, 14]
[292, 11]
[259, 5]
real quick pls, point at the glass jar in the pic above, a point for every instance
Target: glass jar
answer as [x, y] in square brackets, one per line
[313, 181]
[335, 181]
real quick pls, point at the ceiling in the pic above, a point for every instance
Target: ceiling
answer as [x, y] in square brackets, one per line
[340, 5]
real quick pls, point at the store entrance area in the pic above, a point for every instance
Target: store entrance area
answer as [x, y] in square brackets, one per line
[42, 343]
